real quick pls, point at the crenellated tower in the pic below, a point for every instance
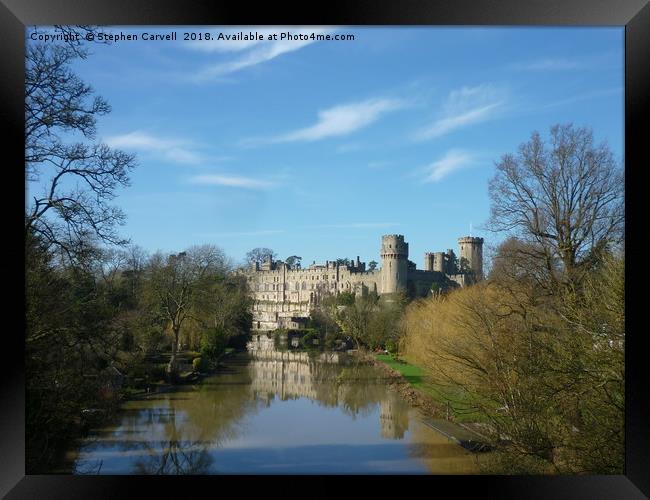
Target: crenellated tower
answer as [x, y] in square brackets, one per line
[471, 254]
[394, 263]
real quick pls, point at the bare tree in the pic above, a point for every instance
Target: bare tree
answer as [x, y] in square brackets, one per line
[175, 283]
[73, 182]
[564, 199]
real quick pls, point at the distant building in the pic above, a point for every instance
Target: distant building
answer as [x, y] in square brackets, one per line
[285, 297]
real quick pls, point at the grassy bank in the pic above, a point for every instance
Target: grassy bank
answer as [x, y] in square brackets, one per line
[453, 401]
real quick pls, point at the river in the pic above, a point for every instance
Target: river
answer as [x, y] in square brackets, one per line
[274, 412]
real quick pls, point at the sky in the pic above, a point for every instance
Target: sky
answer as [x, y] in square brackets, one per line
[317, 148]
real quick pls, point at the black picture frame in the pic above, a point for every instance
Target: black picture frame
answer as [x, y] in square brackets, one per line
[15, 15]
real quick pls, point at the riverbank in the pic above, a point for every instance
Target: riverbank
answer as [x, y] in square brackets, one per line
[409, 381]
[189, 377]
[94, 418]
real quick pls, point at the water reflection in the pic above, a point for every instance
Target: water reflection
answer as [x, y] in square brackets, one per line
[271, 411]
[331, 380]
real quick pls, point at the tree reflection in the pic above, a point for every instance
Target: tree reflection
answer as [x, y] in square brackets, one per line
[175, 457]
[174, 433]
[181, 432]
[354, 386]
[199, 421]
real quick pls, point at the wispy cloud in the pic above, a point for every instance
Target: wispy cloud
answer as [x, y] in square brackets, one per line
[234, 43]
[232, 181]
[349, 148]
[597, 61]
[452, 161]
[253, 52]
[376, 165]
[617, 91]
[358, 225]
[550, 64]
[337, 121]
[463, 107]
[262, 232]
[172, 149]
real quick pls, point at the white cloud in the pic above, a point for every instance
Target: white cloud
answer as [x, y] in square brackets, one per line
[550, 64]
[349, 148]
[241, 233]
[254, 51]
[463, 107]
[379, 164]
[172, 149]
[359, 225]
[232, 181]
[229, 45]
[617, 91]
[341, 120]
[451, 162]
[612, 59]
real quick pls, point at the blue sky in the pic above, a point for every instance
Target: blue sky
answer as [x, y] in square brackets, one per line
[317, 148]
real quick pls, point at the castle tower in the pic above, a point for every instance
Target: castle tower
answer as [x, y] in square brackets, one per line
[428, 261]
[394, 263]
[471, 253]
[439, 262]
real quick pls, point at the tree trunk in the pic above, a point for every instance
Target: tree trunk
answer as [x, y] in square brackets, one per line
[172, 367]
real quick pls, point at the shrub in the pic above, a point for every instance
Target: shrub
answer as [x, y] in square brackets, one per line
[345, 299]
[158, 371]
[307, 340]
[213, 344]
[198, 365]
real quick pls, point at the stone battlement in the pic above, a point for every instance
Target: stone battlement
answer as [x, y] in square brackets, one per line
[284, 292]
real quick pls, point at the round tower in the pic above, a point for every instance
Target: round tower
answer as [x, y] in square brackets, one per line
[394, 263]
[471, 254]
[428, 261]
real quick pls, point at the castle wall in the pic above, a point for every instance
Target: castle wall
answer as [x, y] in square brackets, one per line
[419, 281]
[282, 296]
[281, 293]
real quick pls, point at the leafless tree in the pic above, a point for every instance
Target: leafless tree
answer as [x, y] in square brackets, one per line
[563, 198]
[73, 179]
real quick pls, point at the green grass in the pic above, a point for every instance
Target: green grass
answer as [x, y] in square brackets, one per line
[459, 400]
[414, 374]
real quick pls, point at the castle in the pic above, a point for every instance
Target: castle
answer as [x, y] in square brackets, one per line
[284, 297]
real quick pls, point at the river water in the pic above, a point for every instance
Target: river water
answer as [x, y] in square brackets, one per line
[274, 412]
